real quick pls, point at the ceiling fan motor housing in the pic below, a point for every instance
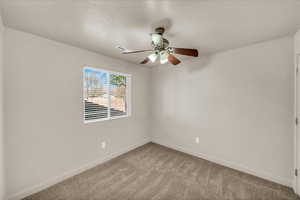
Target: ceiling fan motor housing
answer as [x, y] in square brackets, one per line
[158, 42]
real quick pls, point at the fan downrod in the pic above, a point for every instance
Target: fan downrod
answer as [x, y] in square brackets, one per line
[160, 30]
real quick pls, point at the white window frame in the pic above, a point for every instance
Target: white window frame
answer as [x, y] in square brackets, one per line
[128, 94]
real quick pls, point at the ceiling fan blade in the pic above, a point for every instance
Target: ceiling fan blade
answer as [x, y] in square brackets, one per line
[145, 61]
[186, 52]
[164, 57]
[138, 51]
[172, 59]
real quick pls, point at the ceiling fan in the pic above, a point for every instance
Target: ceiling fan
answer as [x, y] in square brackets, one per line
[161, 49]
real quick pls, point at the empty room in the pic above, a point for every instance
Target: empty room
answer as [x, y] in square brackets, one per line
[149, 99]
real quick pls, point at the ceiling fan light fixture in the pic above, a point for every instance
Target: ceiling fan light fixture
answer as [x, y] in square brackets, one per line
[164, 57]
[153, 57]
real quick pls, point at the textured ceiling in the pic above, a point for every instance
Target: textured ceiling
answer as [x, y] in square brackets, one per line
[100, 25]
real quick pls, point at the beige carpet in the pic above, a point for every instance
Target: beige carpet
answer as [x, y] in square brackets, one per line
[159, 173]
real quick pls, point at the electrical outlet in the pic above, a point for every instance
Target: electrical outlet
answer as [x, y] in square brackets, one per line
[197, 140]
[103, 145]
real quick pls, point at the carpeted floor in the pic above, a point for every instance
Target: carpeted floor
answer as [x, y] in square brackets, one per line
[154, 172]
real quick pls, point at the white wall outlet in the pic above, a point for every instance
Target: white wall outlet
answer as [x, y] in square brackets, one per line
[103, 145]
[197, 140]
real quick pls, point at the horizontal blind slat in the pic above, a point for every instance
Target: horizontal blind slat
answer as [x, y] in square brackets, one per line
[94, 111]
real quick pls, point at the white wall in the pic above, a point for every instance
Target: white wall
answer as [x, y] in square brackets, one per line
[239, 103]
[2, 182]
[45, 135]
[297, 42]
[296, 102]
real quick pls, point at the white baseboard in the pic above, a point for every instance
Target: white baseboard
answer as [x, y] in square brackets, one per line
[294, 185]
[230, 164]
[39, 187]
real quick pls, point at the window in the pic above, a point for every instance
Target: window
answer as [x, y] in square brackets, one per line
[106, 95]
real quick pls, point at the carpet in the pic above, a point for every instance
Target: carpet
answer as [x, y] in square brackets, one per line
[154, 172]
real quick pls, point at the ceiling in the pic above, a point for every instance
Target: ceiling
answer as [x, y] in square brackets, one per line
[101, 25]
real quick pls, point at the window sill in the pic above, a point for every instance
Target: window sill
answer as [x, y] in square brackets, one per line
[105, 119]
